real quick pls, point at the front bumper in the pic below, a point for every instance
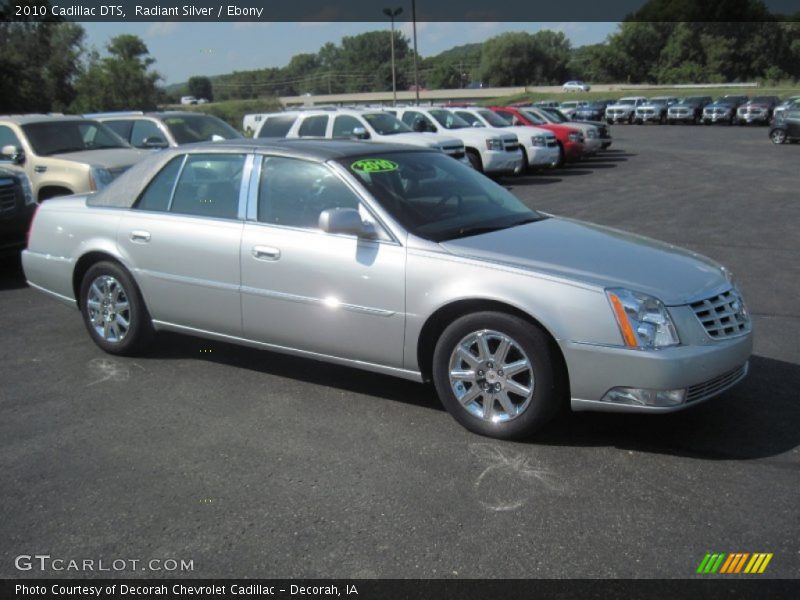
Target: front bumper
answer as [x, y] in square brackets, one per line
[648, 117]
[753, 118]
[688, 116]
[704, 370]
[542, 156]
[619, 117]
[592, 146]
[716, 117]
[496, 161]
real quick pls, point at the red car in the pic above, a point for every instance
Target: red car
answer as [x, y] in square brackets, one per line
[569, 138]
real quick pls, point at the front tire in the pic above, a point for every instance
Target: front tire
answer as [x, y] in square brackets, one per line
[113, 310]
[475, 160]
[778, 136]
[498, 375]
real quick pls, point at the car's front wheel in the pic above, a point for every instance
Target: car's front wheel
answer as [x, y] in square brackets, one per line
[778, 136]
[113, 310]
[498, 375]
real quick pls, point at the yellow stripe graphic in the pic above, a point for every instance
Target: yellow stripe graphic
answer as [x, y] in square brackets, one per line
[727, 563]
[741, 562]
[753, 562]
[765, 563]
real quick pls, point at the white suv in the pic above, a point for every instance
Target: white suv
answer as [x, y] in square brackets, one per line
[624, 109]
[539, 146]
[491, 151]
[373, 125]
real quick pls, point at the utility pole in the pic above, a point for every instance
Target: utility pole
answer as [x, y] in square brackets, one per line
[416, 69]
[392, 13]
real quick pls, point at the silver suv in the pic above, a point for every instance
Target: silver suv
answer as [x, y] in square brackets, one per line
[155, 130]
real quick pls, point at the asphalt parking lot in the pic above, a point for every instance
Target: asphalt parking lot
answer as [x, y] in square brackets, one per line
[255, 464]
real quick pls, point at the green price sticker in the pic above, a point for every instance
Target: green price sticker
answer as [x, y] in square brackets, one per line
[374, 165]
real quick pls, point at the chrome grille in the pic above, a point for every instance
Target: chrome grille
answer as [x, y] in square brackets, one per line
[714, 386]
[510, 146]
[552, 142]
[8, 196]
[722, 316]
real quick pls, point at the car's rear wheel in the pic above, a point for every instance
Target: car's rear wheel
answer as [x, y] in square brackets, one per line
[497, 375]
[778, 136]
[113, 310]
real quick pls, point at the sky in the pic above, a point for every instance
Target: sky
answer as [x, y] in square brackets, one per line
[182, 50]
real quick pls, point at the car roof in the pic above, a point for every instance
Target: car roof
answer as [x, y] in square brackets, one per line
[153, 114]
[39, 118]
[319, 149]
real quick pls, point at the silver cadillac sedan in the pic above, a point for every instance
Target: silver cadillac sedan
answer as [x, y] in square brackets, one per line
[398, 260]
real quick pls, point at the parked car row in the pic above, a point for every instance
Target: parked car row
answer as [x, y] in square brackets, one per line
[730, 109]
[493, 140]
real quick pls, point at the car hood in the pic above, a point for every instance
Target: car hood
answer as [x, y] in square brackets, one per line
[110, 158]
[685, 105]
[479, 135]
[599, 256]
[523, 131]
[721, 105]
[598, 124]
[427, 139]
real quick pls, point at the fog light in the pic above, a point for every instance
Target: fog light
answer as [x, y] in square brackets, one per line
[645, 397]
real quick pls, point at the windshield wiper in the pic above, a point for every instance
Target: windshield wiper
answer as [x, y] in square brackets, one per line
[479, 229]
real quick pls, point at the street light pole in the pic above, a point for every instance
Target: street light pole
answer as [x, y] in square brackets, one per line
[416, 69]
[392, 13]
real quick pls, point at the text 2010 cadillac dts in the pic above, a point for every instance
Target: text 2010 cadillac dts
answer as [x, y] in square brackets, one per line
[398, 260]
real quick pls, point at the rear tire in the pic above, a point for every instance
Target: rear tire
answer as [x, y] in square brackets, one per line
[113, 310]
[498, 375]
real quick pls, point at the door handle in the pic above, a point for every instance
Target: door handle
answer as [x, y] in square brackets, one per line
[140, 236]
[40, 168]
[266, 253]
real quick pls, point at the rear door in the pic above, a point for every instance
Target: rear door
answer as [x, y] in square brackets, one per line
[183, 238]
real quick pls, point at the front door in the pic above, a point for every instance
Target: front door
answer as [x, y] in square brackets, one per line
[302, 288]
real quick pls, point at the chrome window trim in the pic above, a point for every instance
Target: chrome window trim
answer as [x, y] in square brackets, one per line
[174, 183]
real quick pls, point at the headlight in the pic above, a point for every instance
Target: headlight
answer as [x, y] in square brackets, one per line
[26, 189]
[643, 321]
[494, 144]
[99, 178]
[591, 134]
[576, 137]
[539, 140]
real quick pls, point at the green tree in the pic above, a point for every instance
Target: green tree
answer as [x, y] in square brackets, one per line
[120, 81]
[200, 87]
[519, 58]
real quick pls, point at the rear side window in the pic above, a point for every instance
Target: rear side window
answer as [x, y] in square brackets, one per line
[344, 125]
[144, 131]
[121, 128]
[157, 195]
[277, 127]
[314, 126]
[209, 186]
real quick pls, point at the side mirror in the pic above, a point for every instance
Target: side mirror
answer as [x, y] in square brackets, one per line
[155, 142]
[347, 221]
[477, 124]
[13, 153]
[360, 133]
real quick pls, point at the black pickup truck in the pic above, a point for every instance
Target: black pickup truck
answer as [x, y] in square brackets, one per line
[16, 211]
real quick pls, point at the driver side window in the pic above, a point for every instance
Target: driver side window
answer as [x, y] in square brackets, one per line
[293, 192]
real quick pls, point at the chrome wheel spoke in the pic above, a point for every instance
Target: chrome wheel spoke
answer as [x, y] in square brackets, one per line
[517, 388]
[122, 322]
[93, 304]
[502, 351]
[462, 375]
[465, 355]
[506, 403]
[488, 407]
[483, 347]
[121, 306]
[471, 395]
[106, 329]
[519, 366]
[107, 309]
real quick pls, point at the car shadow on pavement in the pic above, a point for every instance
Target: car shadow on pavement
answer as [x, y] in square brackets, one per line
[11, 275]
[758, 418]
[348, 379]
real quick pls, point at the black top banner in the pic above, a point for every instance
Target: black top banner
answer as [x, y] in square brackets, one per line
[420, 10]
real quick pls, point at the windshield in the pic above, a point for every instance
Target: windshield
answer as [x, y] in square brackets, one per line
[436, 197]
[626, 102]
[763, 99]
[386, 124]
[694, 99]
[59, 137]
[187, 129]
[556, 115]
[493, 119]
[448, 120]
[533, 117]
